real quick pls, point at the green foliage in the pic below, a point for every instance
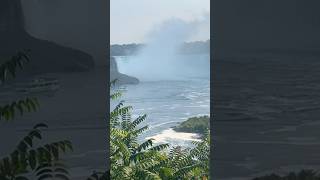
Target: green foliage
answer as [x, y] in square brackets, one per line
[302, 175]
[99, 176]
[131, 159]
[188, 163]
[194, 125]
[42, 161]
[9, 67]
[8, 111]
[30, 160]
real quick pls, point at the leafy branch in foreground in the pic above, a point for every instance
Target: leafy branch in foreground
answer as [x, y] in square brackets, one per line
[27, 158]
[129, 158]
[132, 159]
[9, 67]
[99, 176]
[28, 161]
[25, 105]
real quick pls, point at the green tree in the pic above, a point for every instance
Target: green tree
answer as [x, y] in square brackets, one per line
[131, 159]
[192, 163]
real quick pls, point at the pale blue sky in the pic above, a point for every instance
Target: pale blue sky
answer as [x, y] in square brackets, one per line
[131, 20]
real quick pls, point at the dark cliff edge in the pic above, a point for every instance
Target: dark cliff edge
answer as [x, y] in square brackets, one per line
[46, 57]
[116, 75]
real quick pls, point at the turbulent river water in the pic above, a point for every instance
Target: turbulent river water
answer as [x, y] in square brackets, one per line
[169, 101]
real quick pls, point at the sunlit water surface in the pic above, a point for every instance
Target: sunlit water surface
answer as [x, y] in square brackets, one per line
[169, 102]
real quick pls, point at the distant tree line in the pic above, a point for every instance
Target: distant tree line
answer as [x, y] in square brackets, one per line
[196, 47]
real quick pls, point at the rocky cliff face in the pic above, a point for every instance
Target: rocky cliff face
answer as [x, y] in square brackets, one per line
[79, 24]
[116, 75]
[45, 56]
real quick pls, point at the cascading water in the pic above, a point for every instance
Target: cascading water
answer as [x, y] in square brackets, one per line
[161, 59]
[173, 86]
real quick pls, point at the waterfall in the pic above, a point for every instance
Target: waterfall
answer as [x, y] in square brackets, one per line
[160, 58]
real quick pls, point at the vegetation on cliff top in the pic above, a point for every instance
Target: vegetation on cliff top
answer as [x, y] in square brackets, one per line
[196, 47]
[194, 125]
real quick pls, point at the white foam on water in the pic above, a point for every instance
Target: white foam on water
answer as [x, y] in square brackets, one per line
[161, 124]
[169, 134]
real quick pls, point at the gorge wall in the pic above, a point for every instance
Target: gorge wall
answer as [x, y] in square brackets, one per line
[80, 24]
[46, 56]
[116, 75]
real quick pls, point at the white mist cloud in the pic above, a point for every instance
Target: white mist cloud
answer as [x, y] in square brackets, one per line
[131, 20]
[160, 59]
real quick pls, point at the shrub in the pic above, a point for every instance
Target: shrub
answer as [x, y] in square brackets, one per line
[194, 125]
[131, 159]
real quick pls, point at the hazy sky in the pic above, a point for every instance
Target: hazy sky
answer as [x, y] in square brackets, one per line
[131, 20]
